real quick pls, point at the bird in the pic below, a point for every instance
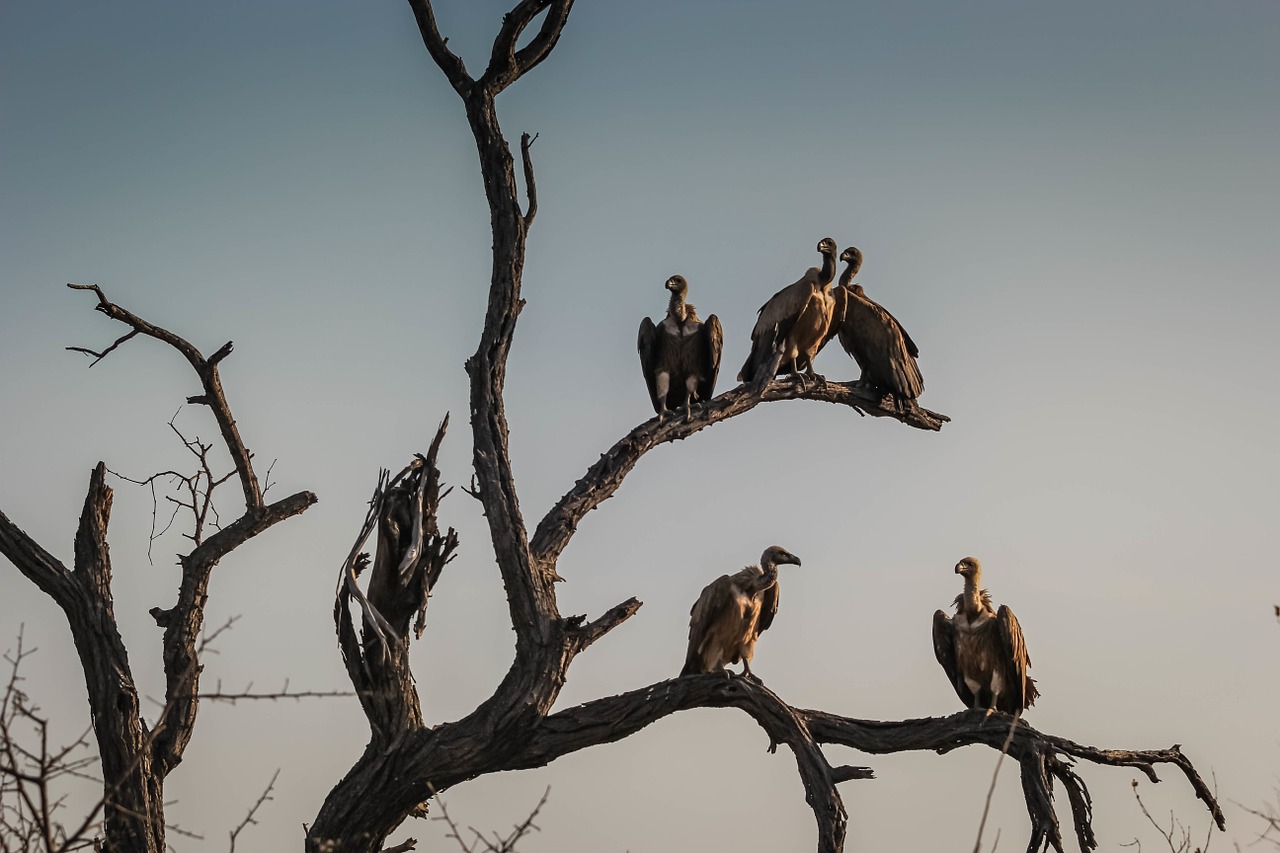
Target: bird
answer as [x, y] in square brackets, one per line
[796, 320]
[982, 650]
[874, 337]
[680, 356]
[731, 614]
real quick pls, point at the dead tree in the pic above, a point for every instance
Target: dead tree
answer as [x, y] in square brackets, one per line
[137, 756]
[406, 763]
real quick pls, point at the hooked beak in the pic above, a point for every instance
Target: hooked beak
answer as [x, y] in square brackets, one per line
[792, 559]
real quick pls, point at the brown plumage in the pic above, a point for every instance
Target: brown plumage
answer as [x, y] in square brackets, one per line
[874, 337]
[680, 356]
[796, 319]
[731, 614]
[982, 650]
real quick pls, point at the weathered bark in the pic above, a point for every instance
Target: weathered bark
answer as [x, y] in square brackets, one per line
[406, 763]
[137, 758]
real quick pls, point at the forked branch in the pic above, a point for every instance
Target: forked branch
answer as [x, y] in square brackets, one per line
[206, 369]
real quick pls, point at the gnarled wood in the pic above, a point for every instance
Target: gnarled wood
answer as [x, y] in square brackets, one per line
[407, 763]
[136, 759]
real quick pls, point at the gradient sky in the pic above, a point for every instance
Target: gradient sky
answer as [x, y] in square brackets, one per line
[1072, 207]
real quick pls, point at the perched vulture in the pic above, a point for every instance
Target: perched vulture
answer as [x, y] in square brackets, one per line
[731, 614]
[680, 356]
[874, 337]
[797, 319]
[982, 650]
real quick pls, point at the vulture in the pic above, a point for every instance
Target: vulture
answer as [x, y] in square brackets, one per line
[732, 612]
[874, 337]
[982, 649]
[680, 356]
[796, 319]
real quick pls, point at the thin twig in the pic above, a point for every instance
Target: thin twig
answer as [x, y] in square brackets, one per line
[249, 818]
[991, 789]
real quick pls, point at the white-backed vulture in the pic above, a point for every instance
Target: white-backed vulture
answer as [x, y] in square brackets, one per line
[731, 614]
[982, 649]
[680, 356]
[874, 337]
[797, 319]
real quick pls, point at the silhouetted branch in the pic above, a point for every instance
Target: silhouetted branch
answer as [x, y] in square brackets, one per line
[136, 758]
[249, 819]
[500, 843]
[206, 370]
[604, 477]
[285, 692]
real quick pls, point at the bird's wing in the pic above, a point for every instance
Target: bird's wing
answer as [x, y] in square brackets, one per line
[716, 601]
[768, 607]
[649, 347]
[876, 340]
[944, 649]
[776, 317]
[1015, 659]
[784, 306]
[711, 341]
[840, 294]
[906, 339]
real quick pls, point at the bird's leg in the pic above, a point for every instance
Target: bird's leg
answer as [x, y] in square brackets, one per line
[661, 385]
[798, 376]
[818, 379]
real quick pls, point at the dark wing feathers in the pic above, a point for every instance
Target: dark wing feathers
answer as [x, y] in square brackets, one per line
[944, 649]
[776, 317]
[877, 342]
[711, 340]
[1016, 660]
[650, 351]
[712, 605]
[768, 608]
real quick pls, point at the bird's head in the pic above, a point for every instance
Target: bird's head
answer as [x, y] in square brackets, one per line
[677, 284]
[853, 256]
[776, 555]
[969, 567]
[827, 246]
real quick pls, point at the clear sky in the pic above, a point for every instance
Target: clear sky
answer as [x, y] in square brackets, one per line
[1072, 207]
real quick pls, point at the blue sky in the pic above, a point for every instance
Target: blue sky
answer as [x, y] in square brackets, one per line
[1072, 208]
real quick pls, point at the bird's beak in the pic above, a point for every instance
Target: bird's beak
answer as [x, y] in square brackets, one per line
[793, 559]
[959, 569]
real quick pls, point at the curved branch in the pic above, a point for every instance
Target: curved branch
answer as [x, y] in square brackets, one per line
[207, 370]
[604, 478]
[506, 64]
[530, 187]
[1043, 757]
[455, 71]
[182, 623]
[38, 565]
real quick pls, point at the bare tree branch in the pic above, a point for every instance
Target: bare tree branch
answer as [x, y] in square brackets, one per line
[207, 370]
[506, 64]
[249, 819]
[285, 692]
[455, 71]
[604, 477]
[135, 759]
[530, 186]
